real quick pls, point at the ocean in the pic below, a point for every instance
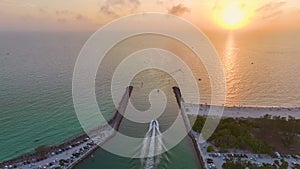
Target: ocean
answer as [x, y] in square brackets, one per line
[36, 108]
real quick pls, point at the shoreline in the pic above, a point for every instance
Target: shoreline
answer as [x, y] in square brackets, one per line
[189, 109]
[79, 147]
[67, 141]
[73, 151]
[235, 112]
[243, 112]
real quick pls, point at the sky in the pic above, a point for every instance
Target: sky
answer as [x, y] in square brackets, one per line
[206, 14]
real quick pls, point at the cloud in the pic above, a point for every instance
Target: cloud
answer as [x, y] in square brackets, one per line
[218, 6]
[66, 15]
[18, 3]
[273, 15]
[116, 8]
[63, 12]
[270, 11]
[178, 10]
[42, 10]
[80, 17]
[61, 15]
[270, 6]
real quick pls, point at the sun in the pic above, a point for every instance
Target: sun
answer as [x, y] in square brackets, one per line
[231, 16]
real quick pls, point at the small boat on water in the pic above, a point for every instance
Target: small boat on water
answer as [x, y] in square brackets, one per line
[152, 145]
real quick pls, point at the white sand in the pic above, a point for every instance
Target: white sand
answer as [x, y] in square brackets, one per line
[252, 112]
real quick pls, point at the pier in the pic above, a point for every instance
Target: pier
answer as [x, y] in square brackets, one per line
[188, 126]
[115, 121]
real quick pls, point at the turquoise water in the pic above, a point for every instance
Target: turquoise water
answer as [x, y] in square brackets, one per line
[35, 91]
[183, 159]
[38, 101]
[36, 76]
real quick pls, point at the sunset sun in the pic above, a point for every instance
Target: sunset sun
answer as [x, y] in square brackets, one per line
[231, 16]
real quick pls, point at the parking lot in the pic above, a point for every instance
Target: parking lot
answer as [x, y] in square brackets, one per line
[216, 160]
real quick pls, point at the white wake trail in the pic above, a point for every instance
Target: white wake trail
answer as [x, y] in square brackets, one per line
[152, 145]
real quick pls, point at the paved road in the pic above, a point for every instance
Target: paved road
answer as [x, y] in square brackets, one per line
[102, 135]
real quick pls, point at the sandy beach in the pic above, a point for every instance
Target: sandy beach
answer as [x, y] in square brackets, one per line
[244, 112]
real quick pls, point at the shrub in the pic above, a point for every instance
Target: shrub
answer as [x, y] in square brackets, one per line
[210, 148]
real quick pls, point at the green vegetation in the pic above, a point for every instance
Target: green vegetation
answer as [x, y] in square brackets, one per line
[284, 129]
[284, 164]
[250, 133]
[210, 148]
[42, 149]
[61, 163]
[297, 166]
[234, 165]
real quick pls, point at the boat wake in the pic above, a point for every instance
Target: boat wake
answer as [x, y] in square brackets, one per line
[152, 147]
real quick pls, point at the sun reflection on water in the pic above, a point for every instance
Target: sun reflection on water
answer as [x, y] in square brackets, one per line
[231, 66]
